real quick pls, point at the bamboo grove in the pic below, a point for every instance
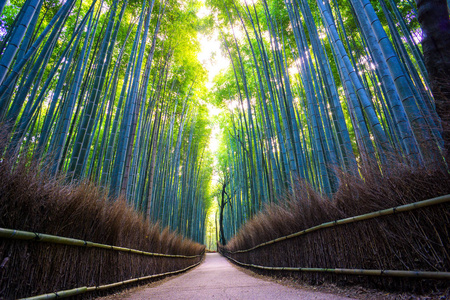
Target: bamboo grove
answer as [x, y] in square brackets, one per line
[317, 88]
[107, 91]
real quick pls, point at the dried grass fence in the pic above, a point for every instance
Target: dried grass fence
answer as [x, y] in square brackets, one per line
[40, 237]
[380, 213]
[31, 201]
[34, 236]
[408, 240]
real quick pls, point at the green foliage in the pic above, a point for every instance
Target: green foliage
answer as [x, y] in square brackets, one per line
[112, 84]
[10, 12]
[309, 92]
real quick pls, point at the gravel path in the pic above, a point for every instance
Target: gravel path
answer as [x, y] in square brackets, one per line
[216, 278]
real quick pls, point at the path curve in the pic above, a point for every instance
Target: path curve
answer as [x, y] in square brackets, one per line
[216, 278]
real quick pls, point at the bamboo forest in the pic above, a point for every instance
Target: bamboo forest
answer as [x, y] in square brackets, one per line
[225, 125]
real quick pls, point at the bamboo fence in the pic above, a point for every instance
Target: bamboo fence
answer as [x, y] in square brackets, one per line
[85, 289]
[27, 235]
[34, 236]
[370, 272]
[368, 216]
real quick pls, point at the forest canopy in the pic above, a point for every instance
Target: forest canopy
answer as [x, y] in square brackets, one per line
[115, 92]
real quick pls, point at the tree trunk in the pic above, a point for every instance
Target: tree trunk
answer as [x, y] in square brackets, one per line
[223, 241]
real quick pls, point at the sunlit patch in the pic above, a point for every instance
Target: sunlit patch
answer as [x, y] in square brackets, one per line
[214, 140]
[294, 68]
[322, 35]
[203, 12]
[105, 8]
[248, 2]
[367, 62]
[211, 220]
[232, 104]
[210, 55]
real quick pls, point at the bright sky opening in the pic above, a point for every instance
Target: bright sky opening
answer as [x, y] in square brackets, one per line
[210, 56]
[214, 62]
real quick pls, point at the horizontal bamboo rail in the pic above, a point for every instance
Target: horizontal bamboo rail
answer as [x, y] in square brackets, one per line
[370, 272]
[27, 235]
[84, 289]
[372, 215]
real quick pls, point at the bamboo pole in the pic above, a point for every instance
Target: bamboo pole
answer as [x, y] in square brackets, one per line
[60, 294]
[369, 272]
[368, 216]
[26, 235]
[84, 289]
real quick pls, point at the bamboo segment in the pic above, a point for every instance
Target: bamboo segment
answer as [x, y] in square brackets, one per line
[60, 294]
[26, 235]
[368, 216]
[369, 272]
[107, 286]
[82, 290]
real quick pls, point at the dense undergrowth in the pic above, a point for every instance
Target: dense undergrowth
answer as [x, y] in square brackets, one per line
[32, 201]
[417, 240]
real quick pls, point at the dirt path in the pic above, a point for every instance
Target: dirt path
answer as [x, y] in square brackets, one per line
[216, 278]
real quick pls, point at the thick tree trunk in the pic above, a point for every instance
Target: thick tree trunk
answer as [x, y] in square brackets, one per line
[435, 23]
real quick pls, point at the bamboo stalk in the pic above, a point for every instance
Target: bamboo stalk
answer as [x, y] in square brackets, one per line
[26, 235]
[84, 289]
[60, 294]
[368, 216]
[369, 272]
